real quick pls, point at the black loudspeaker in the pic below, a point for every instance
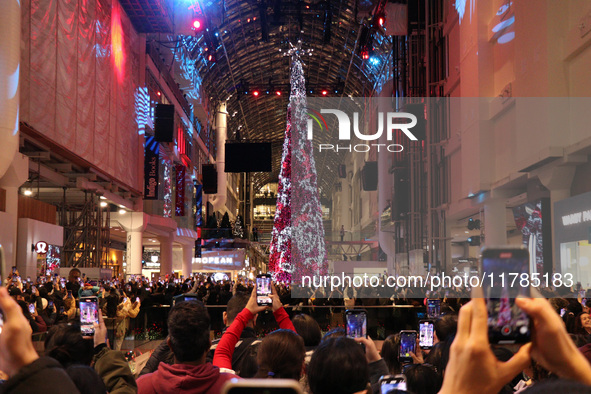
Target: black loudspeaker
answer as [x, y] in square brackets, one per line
[248, 157]
[342, 171]
[198, 247]
[210, 179]
[401, 205]
[369, 176]
[164, 123]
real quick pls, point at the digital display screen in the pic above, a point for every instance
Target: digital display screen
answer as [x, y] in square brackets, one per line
[433, 308]
[408, 344]
[356, 324]
[426, 334]
[88, 316]
[507, 323]
[264, 290]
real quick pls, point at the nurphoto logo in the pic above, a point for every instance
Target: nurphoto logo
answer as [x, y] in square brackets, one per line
[386, 122]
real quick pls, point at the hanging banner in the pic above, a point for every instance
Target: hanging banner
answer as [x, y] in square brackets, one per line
[180, 190]
[151, 163]
[198, 205]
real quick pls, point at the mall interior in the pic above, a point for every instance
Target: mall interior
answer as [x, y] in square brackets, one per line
[117, 117]
[150, 137]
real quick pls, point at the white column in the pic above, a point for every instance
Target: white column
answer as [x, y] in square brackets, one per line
[221, 129]
[187, 259]
[558, 179]
[134, 252]
[13, 178]
[165, 255]
[134, 224]
[495, 227]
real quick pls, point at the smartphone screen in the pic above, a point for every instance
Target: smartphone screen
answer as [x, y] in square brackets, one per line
[426, 330]
[31, 308]
[507, 323]
[50, 304]
[256, 386]
[356, 323]
[393, 384]
[264, 290]
[433, 308]
[408, 343]
[1, 321]
[562, 312]
[88, 315]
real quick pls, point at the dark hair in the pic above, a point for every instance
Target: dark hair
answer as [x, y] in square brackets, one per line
[236, 305]
[112, 302]
[281, 355]
[504, 354]
[25, 308]
[74, 270]
[336, 332]
[86, 379]
[439, 355]
[390, 351]
[578, 327]
[422, 379]
[446, 327]
[64, 342]
[308, 329]
[188, 330]
[338, 365]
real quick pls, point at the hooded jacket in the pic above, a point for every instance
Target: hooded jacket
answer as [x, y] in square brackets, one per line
[183, 378]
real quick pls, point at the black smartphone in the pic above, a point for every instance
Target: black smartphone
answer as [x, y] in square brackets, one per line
[62, 310]
[31, 308]
[262, 386]
[356, 323]
[264, 290]
[185, 297]
[433, 308]
[503, 270]
[426, 334]
[14, 269]
[50, 304]
[408, 343]
[88, 315]
[392, 384]
[1, 320]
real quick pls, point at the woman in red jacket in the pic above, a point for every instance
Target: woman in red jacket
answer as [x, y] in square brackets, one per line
[281, 353]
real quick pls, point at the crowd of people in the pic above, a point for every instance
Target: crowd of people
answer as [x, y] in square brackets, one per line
[297, 348]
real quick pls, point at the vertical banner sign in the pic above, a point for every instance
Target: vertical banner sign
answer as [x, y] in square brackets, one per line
[151, 163]
[198, 205]
[180, 190]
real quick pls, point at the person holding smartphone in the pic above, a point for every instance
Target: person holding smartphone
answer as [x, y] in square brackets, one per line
[30, 313]
[473, 367]
[28, 372]
[225, 350]
[125, 310]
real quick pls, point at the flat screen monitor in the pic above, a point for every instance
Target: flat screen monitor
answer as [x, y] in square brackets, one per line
[248, 157]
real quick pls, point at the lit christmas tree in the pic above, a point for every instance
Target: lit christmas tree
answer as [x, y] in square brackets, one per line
[298, 216]
[238, 230]
[280, 250]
